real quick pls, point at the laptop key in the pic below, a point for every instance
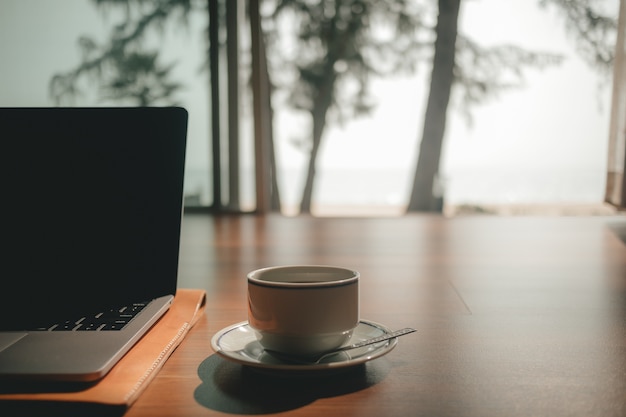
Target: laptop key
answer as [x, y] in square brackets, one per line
[114, 319]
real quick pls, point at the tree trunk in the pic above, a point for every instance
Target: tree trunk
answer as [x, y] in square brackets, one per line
[320, 108]
[274, 203]
[422, 196]
[319, 121]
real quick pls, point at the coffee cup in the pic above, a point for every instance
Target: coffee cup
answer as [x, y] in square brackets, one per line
[303, 309]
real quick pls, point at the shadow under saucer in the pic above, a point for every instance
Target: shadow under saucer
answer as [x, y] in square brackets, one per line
[234, 388]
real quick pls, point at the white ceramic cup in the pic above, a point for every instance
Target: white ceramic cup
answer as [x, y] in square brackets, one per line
[303, 309]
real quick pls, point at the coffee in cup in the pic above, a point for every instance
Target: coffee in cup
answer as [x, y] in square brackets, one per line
[303, 309]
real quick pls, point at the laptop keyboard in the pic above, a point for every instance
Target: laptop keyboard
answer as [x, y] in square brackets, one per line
[114, 319]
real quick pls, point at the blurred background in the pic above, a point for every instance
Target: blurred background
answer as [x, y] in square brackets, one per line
[329, 106]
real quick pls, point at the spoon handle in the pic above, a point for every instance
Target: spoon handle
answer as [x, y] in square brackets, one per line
[315, 360]
[382, 338]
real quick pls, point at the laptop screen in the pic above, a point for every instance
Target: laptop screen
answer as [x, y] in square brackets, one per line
[91, 208]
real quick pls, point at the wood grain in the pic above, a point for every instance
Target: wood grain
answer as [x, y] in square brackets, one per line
[515, 317]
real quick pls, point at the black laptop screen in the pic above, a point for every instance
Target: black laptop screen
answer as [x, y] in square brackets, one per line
[91, 207]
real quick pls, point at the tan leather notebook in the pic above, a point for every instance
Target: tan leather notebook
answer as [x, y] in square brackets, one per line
[126, 381]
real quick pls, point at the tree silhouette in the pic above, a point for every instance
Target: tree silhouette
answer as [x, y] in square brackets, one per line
[423, 197]
[340, 45]
[592, 31]
[478, 74]
[121, 69]
[339, 49]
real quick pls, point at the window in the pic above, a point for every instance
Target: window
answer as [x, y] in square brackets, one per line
[540, 148]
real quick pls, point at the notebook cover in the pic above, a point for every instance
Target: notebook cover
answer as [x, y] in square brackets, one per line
[127, 380]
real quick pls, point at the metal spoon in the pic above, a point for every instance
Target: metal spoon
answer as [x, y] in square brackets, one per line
[312, 360]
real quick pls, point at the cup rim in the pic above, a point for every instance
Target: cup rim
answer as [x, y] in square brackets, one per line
[253, 276]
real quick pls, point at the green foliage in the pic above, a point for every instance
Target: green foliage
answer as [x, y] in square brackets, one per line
[482, 73]
[122, 69]
[337, 46]
[593, 28]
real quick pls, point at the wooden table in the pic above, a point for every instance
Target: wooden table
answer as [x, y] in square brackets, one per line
[515, 317]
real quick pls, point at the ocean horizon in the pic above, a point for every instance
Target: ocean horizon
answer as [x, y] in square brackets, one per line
[391, 187]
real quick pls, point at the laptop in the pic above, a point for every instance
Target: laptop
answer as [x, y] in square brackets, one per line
[90, 218]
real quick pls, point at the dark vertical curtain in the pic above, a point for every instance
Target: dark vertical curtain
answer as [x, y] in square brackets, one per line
[215, 102]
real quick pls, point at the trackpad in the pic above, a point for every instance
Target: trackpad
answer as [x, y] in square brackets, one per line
[7, 339]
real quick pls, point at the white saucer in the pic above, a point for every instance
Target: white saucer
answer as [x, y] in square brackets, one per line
[238, 343]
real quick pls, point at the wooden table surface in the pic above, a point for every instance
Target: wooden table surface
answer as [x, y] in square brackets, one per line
[516, 316]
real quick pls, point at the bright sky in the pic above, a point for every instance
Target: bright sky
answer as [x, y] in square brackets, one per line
[562, 113]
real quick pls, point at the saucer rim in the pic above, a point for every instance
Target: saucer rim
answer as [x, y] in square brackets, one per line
[229, 355]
